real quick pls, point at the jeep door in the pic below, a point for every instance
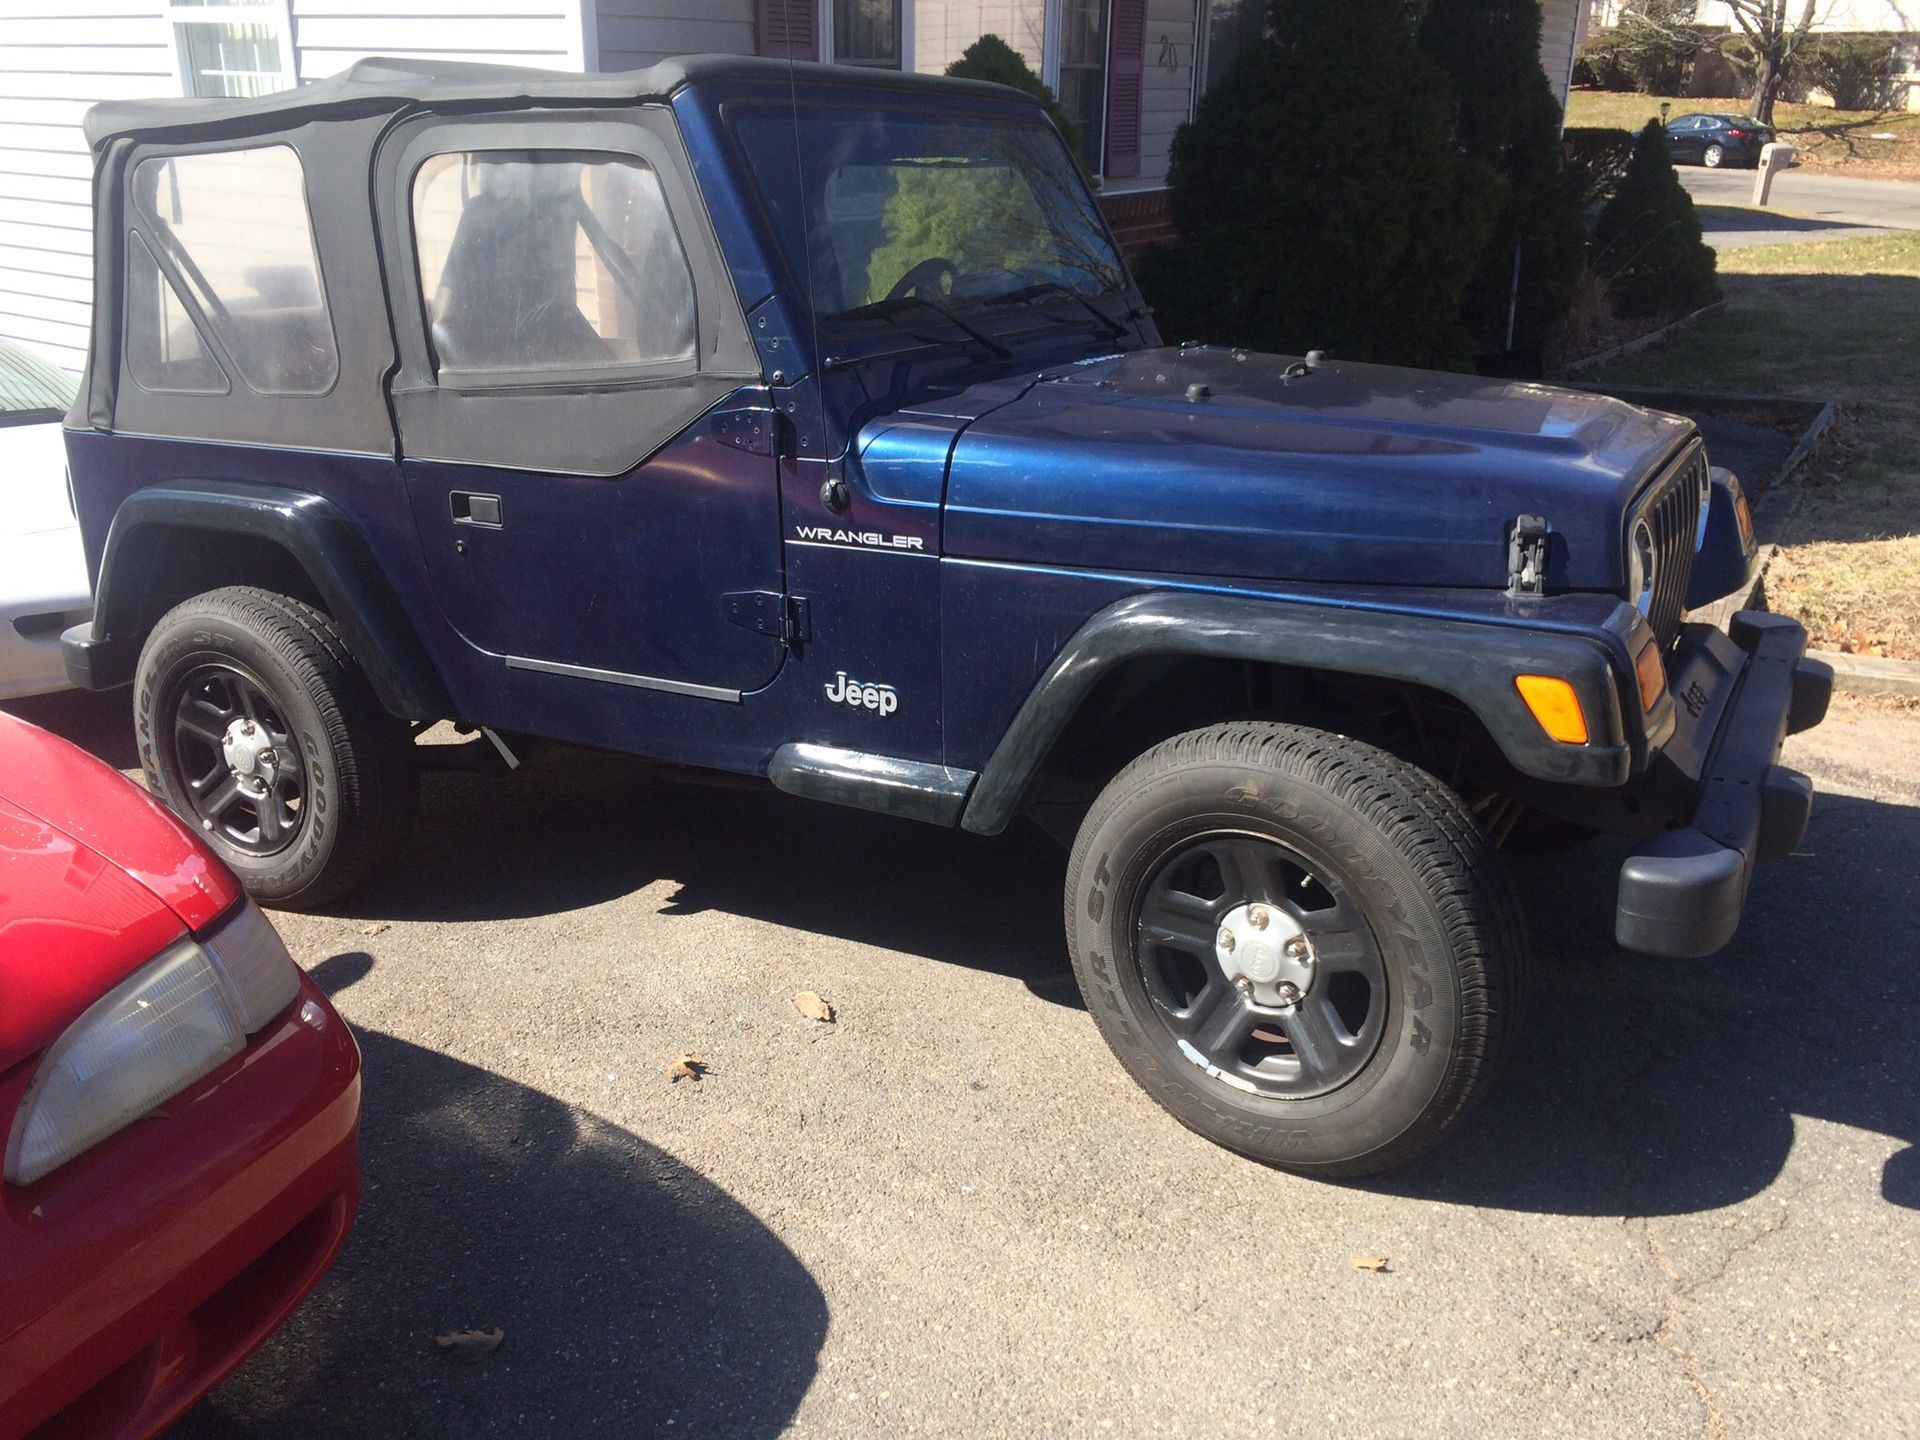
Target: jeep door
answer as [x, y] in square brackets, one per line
[576, 402]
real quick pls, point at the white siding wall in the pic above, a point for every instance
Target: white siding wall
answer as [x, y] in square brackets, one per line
[55, 60]
[1560, 30]
[329, 35]
[1167, 90]
[635, 33]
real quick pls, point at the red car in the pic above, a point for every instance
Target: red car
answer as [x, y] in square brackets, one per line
[179, 1107]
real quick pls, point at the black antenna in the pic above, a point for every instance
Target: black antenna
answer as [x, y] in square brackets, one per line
[832, 494]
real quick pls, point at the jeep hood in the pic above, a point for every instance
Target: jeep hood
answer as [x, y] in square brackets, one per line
[1216, 462]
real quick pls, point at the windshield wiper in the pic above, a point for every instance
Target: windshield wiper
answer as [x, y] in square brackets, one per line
[1032, 292]
[892, 305]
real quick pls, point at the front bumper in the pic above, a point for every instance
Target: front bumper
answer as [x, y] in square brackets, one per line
[1682, 893]
[141, 1273]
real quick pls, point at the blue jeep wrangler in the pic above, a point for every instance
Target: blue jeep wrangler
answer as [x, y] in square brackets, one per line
[806, 423]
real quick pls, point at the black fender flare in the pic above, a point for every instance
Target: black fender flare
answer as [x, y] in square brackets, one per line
[319, 538]
[1472, 660]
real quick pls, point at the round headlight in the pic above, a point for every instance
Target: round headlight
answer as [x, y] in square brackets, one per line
[1641, 566]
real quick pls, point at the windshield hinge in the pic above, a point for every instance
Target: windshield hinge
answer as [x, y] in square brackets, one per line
[1527, 544]
[785, 617]
[754, 429]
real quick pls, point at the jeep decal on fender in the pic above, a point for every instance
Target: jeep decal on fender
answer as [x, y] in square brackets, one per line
[871, 539]
[861, 696]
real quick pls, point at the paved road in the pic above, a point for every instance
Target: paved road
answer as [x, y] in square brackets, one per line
[1815, 206]
[1692, 1210]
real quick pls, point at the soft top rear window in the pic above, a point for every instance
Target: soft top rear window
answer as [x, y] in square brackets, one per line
[234, 226]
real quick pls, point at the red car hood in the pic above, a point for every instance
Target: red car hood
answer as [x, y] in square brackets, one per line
[95, 879]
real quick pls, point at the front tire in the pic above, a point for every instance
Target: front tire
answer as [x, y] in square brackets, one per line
[1301, 946]
[257, 728]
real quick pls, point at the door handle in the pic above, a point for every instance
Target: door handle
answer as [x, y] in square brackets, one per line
[471, 508]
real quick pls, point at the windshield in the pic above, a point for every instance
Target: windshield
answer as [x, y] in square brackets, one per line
[961, 209]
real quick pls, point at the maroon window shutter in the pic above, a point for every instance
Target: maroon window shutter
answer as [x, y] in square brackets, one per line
[1126, 72]
[786, 28]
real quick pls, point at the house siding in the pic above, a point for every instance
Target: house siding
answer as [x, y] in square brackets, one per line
[633, 34]
[330, 35]
[1166, 98]
[1561, 29]
[56, 60]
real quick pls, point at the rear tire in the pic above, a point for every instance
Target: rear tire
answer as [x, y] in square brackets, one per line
[1406, 971]
[1714, 156]
[257, 728]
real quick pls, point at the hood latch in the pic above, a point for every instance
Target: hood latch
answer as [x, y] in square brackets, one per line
[1527, 555]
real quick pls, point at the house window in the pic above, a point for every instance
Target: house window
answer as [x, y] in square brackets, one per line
[232, 47]
[1083, 73]
[867, 32]
[1233, 27]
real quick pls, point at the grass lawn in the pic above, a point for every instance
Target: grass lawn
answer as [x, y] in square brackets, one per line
[1829, 139]
[1834, 320]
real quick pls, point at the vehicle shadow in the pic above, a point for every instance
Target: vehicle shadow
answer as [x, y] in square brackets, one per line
[577, 827]
[635, 1296]
[1654, 1087]
[581, 827]
[98, 721]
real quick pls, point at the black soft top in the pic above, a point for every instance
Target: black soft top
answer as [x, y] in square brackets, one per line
[379, 84]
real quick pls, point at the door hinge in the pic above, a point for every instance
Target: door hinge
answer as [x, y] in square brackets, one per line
[1527, 549]
[784, 617]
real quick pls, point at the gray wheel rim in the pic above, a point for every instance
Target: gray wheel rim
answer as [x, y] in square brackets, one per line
[220, 713]
[1235, 1024]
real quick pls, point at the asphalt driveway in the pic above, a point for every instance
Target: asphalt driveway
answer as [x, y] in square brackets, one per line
[1692, 1209]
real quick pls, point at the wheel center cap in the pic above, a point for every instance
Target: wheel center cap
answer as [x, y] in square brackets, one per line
[248, 751]
[1265, 946]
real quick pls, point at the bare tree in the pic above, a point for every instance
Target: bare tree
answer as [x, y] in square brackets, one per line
[1775, 37]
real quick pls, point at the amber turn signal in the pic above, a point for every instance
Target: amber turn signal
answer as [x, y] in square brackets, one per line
[1743, 513]
[1555, 706]
[1652, 674]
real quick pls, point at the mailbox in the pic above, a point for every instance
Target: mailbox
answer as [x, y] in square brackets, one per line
[1773, 159]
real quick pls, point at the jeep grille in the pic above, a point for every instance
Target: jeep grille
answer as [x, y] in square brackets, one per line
[1671, 507]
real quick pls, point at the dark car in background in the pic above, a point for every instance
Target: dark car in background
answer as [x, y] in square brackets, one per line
[1716, 140]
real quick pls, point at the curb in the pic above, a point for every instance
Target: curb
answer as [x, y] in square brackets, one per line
[1643, 342]
[1870, 675]
[1852, 674]
[1781, 502]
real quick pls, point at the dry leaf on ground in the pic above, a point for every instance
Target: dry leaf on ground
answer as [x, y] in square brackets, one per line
[471, 1342]
[379, 927]
[1375, 1263]
[809, 1004]
[688, 1067]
